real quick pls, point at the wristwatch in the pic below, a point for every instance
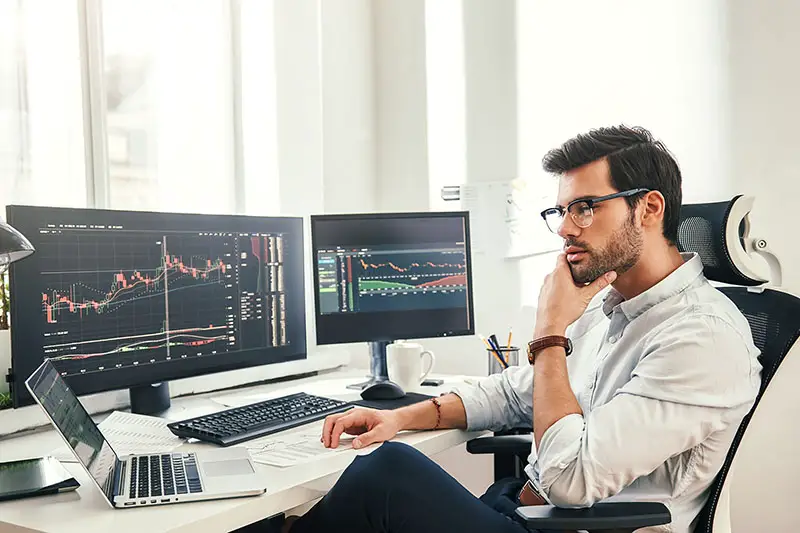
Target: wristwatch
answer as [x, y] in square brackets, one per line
[537, 345]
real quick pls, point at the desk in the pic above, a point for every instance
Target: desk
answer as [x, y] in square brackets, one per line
[85, 510]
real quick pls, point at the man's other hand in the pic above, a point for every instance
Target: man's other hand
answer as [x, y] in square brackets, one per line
[369, 424]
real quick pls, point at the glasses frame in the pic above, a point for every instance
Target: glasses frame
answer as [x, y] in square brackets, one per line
[591, 202]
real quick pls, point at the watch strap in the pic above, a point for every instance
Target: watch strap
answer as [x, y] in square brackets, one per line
[537, 345]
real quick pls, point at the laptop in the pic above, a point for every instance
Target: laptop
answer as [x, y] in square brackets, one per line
[139, 480]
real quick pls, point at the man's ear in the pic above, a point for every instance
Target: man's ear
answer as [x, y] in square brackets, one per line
[652, 205]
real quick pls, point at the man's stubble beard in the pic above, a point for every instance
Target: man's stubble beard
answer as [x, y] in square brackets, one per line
[620, 255]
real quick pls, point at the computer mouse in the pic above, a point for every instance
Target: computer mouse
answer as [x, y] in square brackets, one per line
[383, 390]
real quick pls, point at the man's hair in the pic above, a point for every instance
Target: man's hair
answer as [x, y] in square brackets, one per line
[635, 158]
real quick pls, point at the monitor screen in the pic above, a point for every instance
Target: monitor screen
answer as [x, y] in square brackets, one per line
[391, 276]
[119, 299]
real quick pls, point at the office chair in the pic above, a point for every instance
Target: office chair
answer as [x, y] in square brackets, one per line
[719, 234]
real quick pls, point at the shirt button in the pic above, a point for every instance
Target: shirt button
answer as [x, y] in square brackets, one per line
[613, 339]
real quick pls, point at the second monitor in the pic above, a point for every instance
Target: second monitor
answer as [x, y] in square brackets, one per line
[389, 276]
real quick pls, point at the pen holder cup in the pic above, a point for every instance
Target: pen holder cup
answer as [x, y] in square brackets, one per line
[510, 355]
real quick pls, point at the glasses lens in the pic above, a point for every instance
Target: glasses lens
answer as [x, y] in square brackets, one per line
[553, 219]
[582, 214]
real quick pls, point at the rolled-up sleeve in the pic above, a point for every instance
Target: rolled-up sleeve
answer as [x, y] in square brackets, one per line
[695, 379]
[500, 401]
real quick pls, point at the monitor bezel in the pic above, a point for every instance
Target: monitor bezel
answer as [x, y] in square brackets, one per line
[462, 214]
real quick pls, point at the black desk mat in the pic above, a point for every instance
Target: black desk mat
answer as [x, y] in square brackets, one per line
[409, 399]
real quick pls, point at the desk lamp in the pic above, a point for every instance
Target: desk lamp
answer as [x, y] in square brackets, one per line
[13, 246]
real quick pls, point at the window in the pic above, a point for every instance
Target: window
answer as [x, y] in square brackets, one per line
[446, 105]
[139, 104]
[41, 126]
[259, 111]
[167, 84]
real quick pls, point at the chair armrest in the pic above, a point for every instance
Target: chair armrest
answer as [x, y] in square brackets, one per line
[625, 516]
[503, 444]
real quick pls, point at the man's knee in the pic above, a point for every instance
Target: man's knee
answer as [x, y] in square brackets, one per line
[398, 458]
[383, 466]
[395, 455]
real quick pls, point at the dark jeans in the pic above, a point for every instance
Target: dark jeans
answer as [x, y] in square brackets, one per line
[396, 489]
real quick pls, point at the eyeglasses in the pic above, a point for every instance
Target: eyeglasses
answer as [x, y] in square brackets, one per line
[581, 210]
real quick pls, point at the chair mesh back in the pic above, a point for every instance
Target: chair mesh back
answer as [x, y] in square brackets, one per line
[773, 321]
[702, 230]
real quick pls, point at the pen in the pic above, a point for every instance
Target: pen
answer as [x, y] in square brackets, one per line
[494, 352]
[494, 341]
[496, 345]
[508, 344]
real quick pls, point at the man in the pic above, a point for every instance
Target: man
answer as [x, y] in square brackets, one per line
[661, 371]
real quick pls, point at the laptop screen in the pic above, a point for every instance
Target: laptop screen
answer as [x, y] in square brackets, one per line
[74, 423]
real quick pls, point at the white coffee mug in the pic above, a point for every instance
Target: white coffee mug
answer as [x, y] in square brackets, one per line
[404, 361]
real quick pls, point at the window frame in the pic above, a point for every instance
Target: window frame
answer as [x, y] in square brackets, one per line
[95, 125]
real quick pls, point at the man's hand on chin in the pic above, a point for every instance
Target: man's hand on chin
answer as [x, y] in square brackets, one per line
[562, 301]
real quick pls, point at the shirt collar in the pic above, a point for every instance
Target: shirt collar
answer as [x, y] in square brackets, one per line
[675, 283]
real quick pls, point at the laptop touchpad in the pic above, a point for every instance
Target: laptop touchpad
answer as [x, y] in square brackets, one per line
[229, 467]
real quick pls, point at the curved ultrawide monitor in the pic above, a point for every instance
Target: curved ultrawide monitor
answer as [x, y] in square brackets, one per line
[391, 276]
[119, 299]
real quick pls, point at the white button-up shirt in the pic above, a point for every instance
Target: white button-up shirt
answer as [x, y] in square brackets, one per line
[664, 380]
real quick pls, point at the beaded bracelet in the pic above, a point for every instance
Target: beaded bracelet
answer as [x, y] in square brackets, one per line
[438, 412]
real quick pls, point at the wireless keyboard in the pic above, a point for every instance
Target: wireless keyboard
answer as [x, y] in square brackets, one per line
[258, 419]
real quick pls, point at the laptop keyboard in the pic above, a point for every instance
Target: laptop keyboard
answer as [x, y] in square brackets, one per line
[164, 475]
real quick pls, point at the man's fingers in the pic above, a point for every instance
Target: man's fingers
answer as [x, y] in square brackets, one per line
[368, 438]
[600, 283]
[338, 428]
[356, 418]
[327, 427]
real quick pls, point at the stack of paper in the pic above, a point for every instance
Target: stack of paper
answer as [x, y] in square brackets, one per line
[131, 434]
[294, 448]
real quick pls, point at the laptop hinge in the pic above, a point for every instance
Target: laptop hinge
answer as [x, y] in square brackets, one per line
[119, 478]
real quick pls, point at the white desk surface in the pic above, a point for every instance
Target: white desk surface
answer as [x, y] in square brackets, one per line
[86, 510]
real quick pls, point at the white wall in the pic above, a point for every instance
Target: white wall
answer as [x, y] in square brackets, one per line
[491, 133]
[398, 33]
[656, 64]
[446, 106]
[764, 115]
[764, 83]
[348, 107]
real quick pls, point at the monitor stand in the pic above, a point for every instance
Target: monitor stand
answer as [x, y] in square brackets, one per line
[377, 365]
[150, 399]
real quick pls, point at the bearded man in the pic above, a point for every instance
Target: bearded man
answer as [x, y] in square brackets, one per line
[640, 371]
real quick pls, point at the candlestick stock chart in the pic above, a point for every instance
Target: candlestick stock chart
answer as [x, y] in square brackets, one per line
[376, 280]
[115, 299]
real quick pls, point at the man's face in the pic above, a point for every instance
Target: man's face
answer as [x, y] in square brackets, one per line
[614, 239]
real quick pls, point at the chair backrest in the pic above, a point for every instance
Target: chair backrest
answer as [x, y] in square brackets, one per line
[719, 233]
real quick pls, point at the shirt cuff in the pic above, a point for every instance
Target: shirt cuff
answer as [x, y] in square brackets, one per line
[559, 448]
[478, 415]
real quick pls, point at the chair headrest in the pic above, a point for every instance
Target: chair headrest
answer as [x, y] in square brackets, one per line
[717, 232]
